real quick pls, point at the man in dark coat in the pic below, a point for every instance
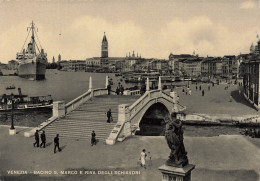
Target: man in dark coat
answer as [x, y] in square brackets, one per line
[93, 138]
[43, 138]
[37, 139]
[56, 143]
[109, 89]
[109, 114]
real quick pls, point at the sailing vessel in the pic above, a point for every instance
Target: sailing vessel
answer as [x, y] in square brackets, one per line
[32, 61]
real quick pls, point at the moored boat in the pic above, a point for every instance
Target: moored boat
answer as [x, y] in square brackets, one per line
[10, 87]
[32, 61]
[24, 102]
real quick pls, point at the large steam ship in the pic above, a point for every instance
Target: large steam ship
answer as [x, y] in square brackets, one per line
[32, 61]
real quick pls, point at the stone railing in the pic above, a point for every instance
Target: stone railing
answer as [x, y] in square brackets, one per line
[60, 109]
[75, 103]
[125, 127]
[132, 92]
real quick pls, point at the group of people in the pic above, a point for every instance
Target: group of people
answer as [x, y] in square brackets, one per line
[37, 139]
[254, 133]
[43, 139]
[120, 90]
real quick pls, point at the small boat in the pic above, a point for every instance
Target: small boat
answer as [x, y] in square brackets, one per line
[24, 102]
[10, 87]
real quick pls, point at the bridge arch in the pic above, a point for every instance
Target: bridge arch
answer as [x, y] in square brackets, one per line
[136, 119]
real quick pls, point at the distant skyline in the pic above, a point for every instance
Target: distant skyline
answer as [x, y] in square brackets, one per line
[151, 28]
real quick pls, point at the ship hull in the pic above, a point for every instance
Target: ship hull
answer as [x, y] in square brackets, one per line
[34, 71]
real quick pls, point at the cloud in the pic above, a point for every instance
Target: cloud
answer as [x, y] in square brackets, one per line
[248, 4]
[204, 36]
[82, 38]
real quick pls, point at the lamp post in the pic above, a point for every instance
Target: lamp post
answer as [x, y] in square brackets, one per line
[12, 130]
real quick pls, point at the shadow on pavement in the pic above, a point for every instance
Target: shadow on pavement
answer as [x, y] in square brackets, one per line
[227, 175]
[48, 144]
[62, 147]
[241, 99]
[22, 130]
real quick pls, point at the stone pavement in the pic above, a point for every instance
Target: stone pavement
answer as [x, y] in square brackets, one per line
[229, 158]
[216, 100]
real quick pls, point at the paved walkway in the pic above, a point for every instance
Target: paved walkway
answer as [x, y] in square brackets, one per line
[229, 158]
[216, 100]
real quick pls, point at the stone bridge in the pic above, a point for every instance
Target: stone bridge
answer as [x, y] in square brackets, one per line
[87, 112]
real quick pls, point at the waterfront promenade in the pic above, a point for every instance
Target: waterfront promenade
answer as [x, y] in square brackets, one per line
[216, 100]
[229, 158]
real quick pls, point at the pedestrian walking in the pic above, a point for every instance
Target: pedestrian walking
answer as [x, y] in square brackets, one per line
[109, 88]
[208, 87]
[230, 98]
[93, 138]
[203, 92]
[200, 87]
[189, 91]
[109, 115]
[117, 91]
[142, 158]
[122, 89]
[43, 139]
[183, 90]
[37, 139]
[57, 143]
[196, 88]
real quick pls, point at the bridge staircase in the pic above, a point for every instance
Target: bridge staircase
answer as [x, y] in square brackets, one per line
[91, 115]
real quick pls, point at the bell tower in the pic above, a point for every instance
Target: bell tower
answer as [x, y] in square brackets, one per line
[104, 47]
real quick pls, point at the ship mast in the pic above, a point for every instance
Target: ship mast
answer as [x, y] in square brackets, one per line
[33, 41]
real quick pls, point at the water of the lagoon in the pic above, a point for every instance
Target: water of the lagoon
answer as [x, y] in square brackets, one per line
[61, 85]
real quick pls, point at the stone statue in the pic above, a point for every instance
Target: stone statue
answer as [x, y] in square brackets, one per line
[174, 138]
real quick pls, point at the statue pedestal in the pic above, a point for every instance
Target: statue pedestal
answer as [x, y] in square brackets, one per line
[170, 173]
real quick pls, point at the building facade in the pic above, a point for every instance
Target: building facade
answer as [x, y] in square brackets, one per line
[251, 81]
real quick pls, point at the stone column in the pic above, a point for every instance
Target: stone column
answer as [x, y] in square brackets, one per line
[123, 117]
[58, 109]
[160, 84]
[174, 96]
[147, 84]
[171, 173]
[90, 87]
[106, 81]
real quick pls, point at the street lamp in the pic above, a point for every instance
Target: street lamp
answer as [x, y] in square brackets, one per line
[12, 130]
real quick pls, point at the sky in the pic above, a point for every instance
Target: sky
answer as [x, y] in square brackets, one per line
[154, 29]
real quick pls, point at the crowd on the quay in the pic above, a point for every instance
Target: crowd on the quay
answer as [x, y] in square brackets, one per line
[252, 132]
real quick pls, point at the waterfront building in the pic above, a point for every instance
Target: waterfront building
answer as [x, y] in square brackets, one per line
[211, 67]
[192, 67]
[73, 65]
[12, 65]
[3, 66]
[251, 81]
[64, 65]
[228, 62]
[93, 62]
[176, 62]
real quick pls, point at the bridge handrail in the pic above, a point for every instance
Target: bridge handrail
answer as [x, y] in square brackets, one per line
[133, 109]
[87, 95]
[170, 98]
